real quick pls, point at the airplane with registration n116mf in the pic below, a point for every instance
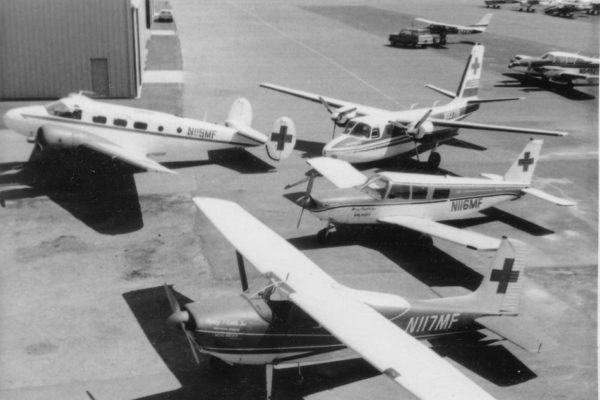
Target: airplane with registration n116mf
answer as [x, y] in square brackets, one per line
[143, 138]
[418, 201]
[372, 134]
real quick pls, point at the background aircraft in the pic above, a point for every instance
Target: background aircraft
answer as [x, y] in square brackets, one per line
[558, 67]
[444, 29]
[496, 3]
[283, 324]
[139, 137]
[372, 134]
[566, 8]
[417, 201]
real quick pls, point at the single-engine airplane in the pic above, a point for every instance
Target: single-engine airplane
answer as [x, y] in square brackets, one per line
[558, 67]
[139, 137]
[372, 134]
[417, 201]
[496, 3]
[566, 8]
[302, 316]
[443, 28]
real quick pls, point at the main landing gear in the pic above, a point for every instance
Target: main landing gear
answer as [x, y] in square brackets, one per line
[434, 160]
[325, 234]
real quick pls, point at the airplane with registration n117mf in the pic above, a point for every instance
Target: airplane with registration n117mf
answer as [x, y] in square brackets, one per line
[143, 138]
[417, 201]
[283, 323]
[372, 134]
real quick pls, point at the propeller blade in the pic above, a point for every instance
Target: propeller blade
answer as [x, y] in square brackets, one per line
[291, 185]
[191, 343]
[322, 100]
[300, 218]
[423, 118]
[305, 200]
[172, 300]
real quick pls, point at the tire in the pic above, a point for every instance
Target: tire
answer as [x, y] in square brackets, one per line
[434, 160]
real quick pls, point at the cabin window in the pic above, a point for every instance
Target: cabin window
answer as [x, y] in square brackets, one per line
[375, 133]
[397, 131]
[179, 130]
[120, 122]
[419, 192]
[400, 192]
[160, 128]
[361, 130]
[140, 125]
[441, 193]
[99, 119]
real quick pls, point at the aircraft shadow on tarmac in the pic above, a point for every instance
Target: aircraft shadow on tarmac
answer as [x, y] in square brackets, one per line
[238, 160]
[104, 198]
[533, 84]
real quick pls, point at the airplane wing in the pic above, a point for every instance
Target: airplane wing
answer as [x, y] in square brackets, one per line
[557, 73]
[131, 157]
[459, 27]
[341, 173]
[486, 127]
[388, 348]
[336, 103]
[467, 238]
[513, 330]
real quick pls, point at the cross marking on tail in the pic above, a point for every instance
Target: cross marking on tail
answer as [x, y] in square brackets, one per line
[475, 66]
[505, 276]
[525, 162]
[281, 138]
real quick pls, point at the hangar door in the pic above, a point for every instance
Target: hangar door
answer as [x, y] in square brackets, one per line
[99, 76]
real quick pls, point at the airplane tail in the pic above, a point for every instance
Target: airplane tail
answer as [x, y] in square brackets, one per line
[469, 83]
[523, 167]
[241, 112]
[484, 22]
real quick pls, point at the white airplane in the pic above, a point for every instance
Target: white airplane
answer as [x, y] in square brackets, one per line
[558, 67]
[143, 138]
[566, 8]
[302, 316]
[443, 28]
[496, 3]
[417, 201]
[374, 134]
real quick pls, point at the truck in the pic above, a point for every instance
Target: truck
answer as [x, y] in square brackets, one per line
[414, 37]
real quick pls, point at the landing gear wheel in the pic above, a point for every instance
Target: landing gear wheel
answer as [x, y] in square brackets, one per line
[324, 235]
[434, 160]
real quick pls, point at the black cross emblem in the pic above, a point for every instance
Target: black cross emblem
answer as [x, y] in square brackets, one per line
[475, 66]
[281, 138]
[525, 162]
[505, 275]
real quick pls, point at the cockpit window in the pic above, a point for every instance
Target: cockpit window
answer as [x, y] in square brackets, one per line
[361, 130]
[376, 187]
[349, 126]
[60, 109]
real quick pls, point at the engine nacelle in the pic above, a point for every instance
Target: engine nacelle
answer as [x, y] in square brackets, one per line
[60, 137]
[344, 114]
[425, 129]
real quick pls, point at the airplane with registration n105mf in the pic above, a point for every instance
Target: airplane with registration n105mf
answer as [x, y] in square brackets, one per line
[417, 201]
[284, 324]
[372, 134]
[143, 138]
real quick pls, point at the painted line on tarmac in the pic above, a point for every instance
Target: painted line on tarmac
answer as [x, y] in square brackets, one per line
[163, 32]
[299, 43]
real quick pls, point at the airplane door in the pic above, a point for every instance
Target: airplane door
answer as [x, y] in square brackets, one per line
[99, 76]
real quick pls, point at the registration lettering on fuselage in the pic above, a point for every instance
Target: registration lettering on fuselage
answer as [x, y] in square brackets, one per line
[452, 114]
[361, 212]
[431, 323]
[201, 133]
[466, 204]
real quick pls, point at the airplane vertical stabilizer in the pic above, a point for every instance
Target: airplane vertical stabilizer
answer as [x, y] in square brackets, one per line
[469, 84]
[241, 112]
[523, 167]
[484, 22]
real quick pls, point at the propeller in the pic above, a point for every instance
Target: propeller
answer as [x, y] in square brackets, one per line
[417, 130]
[340, 116]
[179, 318]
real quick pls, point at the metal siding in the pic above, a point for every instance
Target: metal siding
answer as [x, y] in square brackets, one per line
[46, 46]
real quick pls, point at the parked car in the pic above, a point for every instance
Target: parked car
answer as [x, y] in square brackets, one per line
[165, 15]
[414, 37]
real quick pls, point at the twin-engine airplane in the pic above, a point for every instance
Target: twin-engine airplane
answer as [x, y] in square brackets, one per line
[372, 134]
[443, 28]
[143, 138]
[558, 67]
[303, 316]
[417, 201]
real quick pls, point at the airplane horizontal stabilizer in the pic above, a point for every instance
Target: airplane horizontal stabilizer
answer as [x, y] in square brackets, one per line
[341, 173]
[442, 91]
[247, 132]
[548, 197]
[518, 331]
[472, 240]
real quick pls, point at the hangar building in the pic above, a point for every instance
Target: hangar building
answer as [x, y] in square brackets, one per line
[51, 48]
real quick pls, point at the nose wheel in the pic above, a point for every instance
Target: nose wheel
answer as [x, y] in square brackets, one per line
[324, 235]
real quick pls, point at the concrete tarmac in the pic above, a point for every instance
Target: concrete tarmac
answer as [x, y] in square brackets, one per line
[82, 307]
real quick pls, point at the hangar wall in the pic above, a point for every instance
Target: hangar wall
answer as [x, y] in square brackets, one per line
[51, 48]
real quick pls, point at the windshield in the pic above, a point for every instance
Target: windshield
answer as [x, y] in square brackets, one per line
[376, 187]
[361, 130]
[60, 109]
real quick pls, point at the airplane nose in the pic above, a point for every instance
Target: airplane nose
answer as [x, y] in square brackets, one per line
[12, 119]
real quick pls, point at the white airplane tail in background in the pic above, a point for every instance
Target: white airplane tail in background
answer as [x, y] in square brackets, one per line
[241, 112]
[484, 22]
[523, 167]
[469, 83]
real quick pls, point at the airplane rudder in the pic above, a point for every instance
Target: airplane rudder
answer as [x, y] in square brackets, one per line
[241, 111]
[469, 84]
[282, 139]
[523, 167]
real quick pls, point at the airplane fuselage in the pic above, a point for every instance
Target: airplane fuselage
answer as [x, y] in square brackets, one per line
[437, 203]
[240, 330]
[161, 136]
[384, 140]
